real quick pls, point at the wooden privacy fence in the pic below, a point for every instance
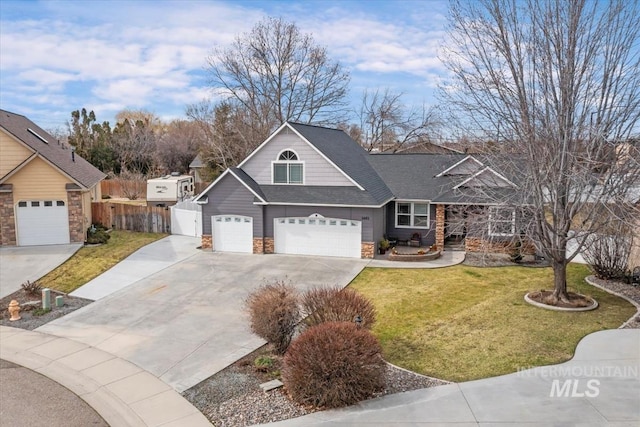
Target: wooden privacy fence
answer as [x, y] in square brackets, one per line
[123, 188]
[148, 219]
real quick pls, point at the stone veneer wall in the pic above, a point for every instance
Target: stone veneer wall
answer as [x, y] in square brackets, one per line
[7, 219]
[258, 245]
[476, 244]
[268, 246]
[207, 241]
[76, 217]
[367, 249]
[440, 227]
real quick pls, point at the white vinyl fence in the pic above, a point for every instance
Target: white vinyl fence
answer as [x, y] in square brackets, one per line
[186, 219]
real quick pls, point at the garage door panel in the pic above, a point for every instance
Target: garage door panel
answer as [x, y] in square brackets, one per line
[318, 236]
[42, 222]
[232, 233]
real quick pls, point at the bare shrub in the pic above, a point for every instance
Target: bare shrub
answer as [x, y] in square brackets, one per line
[333, 304]
[32, 288]
[608, 256]
[333, 364]
[132, 184]
[274, 313]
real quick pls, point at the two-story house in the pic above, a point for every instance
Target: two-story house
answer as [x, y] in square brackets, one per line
[312, 190]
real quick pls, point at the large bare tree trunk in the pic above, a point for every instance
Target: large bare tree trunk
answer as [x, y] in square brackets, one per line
[560, 281]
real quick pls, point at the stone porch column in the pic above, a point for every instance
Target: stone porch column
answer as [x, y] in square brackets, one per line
[440, 227]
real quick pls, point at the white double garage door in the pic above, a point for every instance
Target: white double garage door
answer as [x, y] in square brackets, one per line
[296, 236]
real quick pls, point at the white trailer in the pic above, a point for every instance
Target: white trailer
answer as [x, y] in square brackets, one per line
[168, 190]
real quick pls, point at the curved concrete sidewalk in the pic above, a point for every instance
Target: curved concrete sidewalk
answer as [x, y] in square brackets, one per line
[447, 259]
[122, 393]
[600, 386]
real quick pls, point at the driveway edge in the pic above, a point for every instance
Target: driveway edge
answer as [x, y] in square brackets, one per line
[120, 392]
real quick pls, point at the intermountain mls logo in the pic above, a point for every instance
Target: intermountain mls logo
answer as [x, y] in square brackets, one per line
[579, 381]
[571, 388]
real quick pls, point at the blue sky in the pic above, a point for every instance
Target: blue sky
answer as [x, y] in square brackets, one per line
[58, 56]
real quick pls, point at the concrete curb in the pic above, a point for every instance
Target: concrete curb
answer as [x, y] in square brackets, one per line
[121, 392]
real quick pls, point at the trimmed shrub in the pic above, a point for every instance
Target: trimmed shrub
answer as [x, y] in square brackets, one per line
[97, 234]
[274, 313]
[333, 364]
[333, 304]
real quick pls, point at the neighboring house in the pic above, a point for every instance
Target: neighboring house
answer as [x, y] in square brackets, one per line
[426, 148]
[45, 188]
[314, 191]
[195, 168]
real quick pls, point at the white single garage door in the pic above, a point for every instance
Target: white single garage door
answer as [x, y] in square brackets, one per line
[42, 222]
[232, 233]
[318, 236]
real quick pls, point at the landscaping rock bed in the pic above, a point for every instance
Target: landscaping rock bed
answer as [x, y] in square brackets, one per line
[630, 291]
[31, 314]
[233, 398]
[481, 259]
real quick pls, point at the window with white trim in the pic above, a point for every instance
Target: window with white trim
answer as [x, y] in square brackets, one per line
[502, 221]
[288, 169]
[412, 215]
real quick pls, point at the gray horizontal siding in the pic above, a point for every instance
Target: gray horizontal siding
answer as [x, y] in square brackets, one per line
[230, 197]
[428, 235]
[368, 216]
[317, 171]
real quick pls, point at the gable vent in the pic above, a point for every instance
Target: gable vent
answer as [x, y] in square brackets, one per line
[34, 133]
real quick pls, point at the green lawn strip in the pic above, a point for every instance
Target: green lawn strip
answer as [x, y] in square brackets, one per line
[463, 323]
[91, 261]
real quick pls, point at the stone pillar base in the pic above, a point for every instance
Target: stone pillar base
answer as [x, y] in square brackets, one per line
[268, 246]
[367, 249]
[258, 245]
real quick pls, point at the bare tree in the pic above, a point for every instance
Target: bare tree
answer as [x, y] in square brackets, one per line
[560, 79]
[135, 145]
[227, 130]
[387, 124]
[276, 73]
[177, 146]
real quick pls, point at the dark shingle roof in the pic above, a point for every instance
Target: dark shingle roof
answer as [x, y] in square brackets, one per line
[350, 157]
[318, 195]
[413, 177]
[57, 154]
[248, 181]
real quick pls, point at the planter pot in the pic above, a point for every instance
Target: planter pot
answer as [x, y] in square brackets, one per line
[382, 251]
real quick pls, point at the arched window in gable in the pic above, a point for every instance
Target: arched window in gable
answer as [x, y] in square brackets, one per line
[288, 169]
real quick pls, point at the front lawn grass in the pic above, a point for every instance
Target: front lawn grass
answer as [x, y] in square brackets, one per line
[462, 323]
[91, 261]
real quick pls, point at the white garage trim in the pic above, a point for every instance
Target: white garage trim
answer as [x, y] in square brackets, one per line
[318, 236]
[232, 233]
[42, 222]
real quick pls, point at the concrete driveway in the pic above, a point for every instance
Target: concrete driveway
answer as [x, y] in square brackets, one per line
[21, 263]
[187, 322]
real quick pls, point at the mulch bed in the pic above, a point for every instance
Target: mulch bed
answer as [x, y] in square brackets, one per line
[30, 313]
[575, 300]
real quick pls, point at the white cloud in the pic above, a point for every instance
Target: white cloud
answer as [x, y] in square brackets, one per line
[151, 55]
